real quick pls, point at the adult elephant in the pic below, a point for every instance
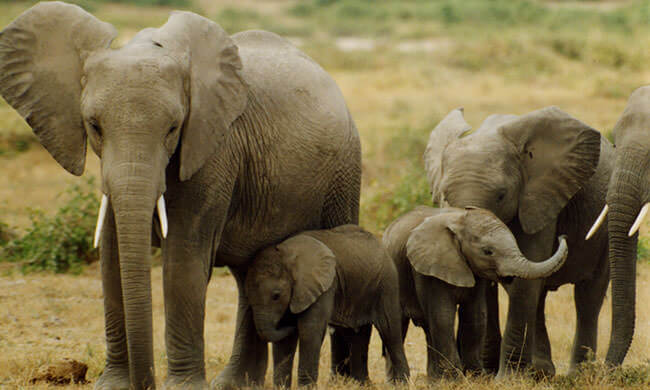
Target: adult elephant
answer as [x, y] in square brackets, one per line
[248, 139]
[628, 191]
[544, 174]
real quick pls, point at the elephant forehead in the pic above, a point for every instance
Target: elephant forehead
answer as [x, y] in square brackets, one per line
[142, 65]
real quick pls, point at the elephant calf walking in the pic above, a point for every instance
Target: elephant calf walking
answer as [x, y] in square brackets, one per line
[444, 259]
[342, 277]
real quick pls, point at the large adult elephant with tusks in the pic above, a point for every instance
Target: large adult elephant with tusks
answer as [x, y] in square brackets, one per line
[628, 202]
[238, 142]
[544, 174]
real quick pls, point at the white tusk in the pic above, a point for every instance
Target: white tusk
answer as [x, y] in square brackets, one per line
[639, 219]
[599, 221]
[162, 214]
[100, 219]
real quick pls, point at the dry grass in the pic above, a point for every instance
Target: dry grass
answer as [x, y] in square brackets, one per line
[44, 318]
[414, 71]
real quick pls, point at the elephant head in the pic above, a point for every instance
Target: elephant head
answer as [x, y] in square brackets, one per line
[527, 167]
[171, 93]
[628, 201]
[455, 246]
[286, 279]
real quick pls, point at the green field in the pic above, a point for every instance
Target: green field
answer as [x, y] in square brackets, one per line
[402, 65]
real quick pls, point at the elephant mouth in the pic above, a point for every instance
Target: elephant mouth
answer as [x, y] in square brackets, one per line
[505, 280]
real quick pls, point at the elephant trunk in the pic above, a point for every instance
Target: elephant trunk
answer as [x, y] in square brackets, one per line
[133, 199]
[521, 267]
[624, 199]
[268, 329]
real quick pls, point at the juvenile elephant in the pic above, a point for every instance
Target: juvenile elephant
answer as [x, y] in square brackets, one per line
[246, 137]
[543, 174]
[628, 191]
[342, 277]
[444, 259]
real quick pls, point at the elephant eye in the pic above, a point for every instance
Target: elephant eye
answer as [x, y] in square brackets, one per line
[171, 130]
[96, 128]
[501, 196]
[275, 296]
[487, 252]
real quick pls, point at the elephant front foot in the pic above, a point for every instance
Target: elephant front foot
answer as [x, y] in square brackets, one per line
[229, 379]
[114, 378]
[543, 369]
[185, 383]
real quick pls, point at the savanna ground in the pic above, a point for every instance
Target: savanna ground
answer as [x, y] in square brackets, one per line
[402, 65]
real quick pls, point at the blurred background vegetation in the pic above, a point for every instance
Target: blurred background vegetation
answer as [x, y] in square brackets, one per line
[401, 64]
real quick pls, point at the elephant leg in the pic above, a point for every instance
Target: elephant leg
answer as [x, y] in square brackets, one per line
[442, 344]
[389, 322]
[390, 370]
[341, 340]
[524, 295]
[542, 359]
[312, 326]
[186, 272]
[283, 353]
[116, 372]
[519, 335]
[249, 356]
[359, 353]
[492, 344]
[472, 324]
[588, 296]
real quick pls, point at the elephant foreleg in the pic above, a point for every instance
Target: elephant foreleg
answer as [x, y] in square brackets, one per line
[247, 365]
[116, 372]
[283, 354]
[542, 359]
[492, 346]
[340, 350]
[588, 296]
[472, 324]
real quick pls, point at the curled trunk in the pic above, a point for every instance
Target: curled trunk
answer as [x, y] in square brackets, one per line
[521, 267]
[268, 329]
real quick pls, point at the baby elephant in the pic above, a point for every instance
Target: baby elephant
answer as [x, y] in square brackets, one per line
[443, 257]
[342, 277]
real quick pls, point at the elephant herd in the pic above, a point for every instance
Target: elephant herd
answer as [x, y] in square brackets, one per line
[240, 151]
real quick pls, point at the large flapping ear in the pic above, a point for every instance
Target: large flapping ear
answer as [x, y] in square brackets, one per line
[313, 268]
[41, 63]
[433, 250]
[218, 94]
[559, 155]
[452, 127]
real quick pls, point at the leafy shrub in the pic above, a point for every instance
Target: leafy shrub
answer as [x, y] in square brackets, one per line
[59, 243]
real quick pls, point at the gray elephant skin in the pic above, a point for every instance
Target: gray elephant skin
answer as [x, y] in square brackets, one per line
[248, 139]
[544, 174]
[342, 277]
[628, 198]
[445, 259]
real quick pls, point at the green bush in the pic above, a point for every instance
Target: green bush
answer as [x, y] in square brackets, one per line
[59, 243]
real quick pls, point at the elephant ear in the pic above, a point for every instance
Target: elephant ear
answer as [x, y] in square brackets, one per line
[218, 93]
[451, 128]
[313, 268]
[41, 64]
[433, 250]
[559, 154]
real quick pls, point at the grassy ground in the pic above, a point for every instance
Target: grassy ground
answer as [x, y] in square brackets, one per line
[402, 65]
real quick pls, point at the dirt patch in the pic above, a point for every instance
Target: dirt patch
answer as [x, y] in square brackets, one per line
[62, 373]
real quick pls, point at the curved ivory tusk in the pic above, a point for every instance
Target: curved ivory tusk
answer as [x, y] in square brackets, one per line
[100, 219]
[162, 214]
[639, 219]
[599, 221]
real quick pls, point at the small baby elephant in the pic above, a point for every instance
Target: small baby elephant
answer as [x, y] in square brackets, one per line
[443, 258]
[342, 277]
